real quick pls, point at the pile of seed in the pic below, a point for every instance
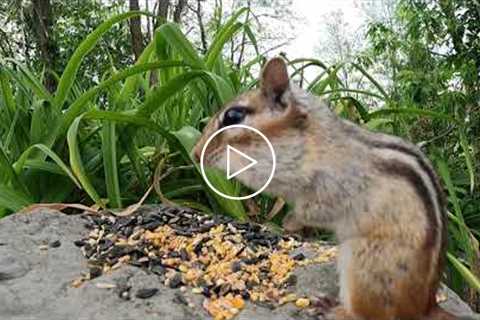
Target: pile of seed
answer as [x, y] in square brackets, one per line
[226, 261]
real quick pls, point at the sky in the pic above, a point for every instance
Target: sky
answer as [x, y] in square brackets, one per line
[311, 13]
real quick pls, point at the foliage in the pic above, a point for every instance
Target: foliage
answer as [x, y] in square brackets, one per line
[73, 20]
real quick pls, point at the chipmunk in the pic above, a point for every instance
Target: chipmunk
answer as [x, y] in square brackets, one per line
[377, 192]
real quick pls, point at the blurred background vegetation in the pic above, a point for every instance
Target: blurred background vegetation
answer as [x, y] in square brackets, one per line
[102, 101]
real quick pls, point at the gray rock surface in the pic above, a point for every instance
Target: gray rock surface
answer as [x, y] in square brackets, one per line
[36, 280]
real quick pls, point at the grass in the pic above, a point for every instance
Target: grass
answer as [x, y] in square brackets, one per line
[107, 144]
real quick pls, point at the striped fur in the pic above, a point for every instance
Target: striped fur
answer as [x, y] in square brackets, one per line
[379, 194]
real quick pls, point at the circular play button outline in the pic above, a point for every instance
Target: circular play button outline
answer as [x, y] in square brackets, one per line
[272, 172]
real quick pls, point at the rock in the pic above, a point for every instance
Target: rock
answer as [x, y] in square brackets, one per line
[36, 280]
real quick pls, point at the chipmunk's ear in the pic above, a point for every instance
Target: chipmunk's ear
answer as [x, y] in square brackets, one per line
[275, 81]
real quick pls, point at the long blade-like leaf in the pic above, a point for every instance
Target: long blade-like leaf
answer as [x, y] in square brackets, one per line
[12, 199]
[70, 72]
[177, 40]
[20, 163]
[226, 32]
[109, 149]
[76, 108]
[77, 164]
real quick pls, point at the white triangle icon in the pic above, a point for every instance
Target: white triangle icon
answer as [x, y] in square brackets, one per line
[248, 166]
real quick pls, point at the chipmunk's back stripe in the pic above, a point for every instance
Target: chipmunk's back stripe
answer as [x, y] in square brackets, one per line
[403, 170]
[423, 164]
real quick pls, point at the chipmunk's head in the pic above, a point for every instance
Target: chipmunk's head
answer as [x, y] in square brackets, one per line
[273, 109]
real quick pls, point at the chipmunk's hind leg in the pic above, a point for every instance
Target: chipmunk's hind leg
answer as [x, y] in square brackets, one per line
[382, 279]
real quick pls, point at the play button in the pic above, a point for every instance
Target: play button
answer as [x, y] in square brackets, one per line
[251, 163]
[238, 160]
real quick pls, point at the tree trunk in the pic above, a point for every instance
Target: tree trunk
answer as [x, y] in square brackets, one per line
[136, 30]
[149, 24]
[42, 18]
[203, 34]
[179, 8]
[162, 12]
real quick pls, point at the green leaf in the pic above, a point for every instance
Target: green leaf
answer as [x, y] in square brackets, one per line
[13, 199]
[188, 136]
[467, 275]
[131, 83]
[372, 80]
[20, 163]
[8, 175]
[252, 37]
[6, 92]
[412, 112]
[70, 72]
[109, 150]
[174, 36]
[33, 83]
[468, 157]
[224, 34]
[41, 165]
[77, 164]
[220, 89]
[127, 117]
[76, 108]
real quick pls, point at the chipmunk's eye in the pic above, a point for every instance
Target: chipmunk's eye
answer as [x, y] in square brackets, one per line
[234, 115]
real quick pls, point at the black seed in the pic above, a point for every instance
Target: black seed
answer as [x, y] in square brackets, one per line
[174, 254]
[299, 257]
[198, 247]
[176, 281]
[158, 270]
[184, 255]
[261, 242]
[265, 304]
[206, 227]
[79, 243]
[224, 289]
[127, 231]
[185, 233]
[153, 225]
[180, 299]
[255, 260]
[250, 284]
[146, 293]
[95, 271]
[174, 220]
[118, 251]
[89, 250]
[250, 236]
[55, 244]
[291, 281]
[105, 244]
[236, 266]
[206, 292]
